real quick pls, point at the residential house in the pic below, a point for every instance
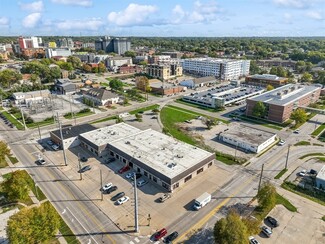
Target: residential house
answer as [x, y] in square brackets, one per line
[64, 87]
[101, 97]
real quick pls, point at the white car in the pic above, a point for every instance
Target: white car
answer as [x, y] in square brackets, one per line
[282, 142]
[107, 186]
[141, 182]
[129, 175]
[55, 147]
[296, 131]
[122, 200]
[302, 173]
[252, 240]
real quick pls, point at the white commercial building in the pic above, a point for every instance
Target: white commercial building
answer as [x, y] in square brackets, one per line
[320, 179]
[57, 52]
[221, 68]
[247, 138]
[30, 97]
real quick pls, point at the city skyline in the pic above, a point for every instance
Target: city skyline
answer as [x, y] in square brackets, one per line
[179, 18]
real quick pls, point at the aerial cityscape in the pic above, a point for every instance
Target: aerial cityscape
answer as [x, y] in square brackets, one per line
[137, 122]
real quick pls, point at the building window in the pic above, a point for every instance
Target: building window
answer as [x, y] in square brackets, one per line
[199, 171]
[176, 185]
[154, 179]
[210, 164]
[117, 156]
[165, 185]
[188, 178]
[124, 160]
[112, 154]
[92, 150]
[145, 173]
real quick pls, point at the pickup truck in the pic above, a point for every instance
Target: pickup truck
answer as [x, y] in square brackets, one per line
[202, 200]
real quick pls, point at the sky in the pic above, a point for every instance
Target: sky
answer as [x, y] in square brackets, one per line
[165, 18]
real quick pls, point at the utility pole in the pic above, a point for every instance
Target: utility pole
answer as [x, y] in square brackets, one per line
[62, 142]
[23, 117]
[287, 157]
[101, 185]
[136, 224]
[259, 184]
[71, 107]
[39, 131]
[79, 166]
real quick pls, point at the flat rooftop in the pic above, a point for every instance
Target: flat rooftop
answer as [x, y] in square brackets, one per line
[109, 134]
[321, 174]
[267, 77]
[70, 131]
[163, 153]
[248, 134]
[285, 94]
[213, 60]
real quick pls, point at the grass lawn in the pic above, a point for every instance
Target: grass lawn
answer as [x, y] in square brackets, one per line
[319, 130]
[321, 159]
[302, 143]
[3, 163]
[288, 205]
[228, 159]
[104, 84]
[196, 106]
[1, 108]
[323, 218]
[261, 122]
[279, 175]
[45, 122]
[69, 116]
[13, 159]
[311, 154]
[12, 120]
[144, 109]
[103, 120]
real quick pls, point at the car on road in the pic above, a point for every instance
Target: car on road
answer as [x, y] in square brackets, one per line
[141, 182]
[302, 173]
[118, 196]
[160, 234]
[122, 200]
[282, 142]
[129, 175]
[252, 240]
[124, 169]
[83, 159]
[274, 223]
[107, 186]
[267, 231]
[110, 190]
[171, 237]
[84, 169]
[296, 131]
[164, 197]
[40, 161]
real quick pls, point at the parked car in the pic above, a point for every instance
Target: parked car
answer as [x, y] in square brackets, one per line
[49, 142]
[84, 169]
[110, 160]
[252, 240]
[313, 172]
[55, 147]
[124, 169]
[160, 234]
[110, 190]
[122, 200]
[267, 231]
[83, 159]
[141, 182]
[296, 131]
[302, 173]
[129, 175]
[107, 186]
[171, 237]
[137, 176]
[40, 161]
[118, 196]
[282, 142]
[164, 197]
[272, 221]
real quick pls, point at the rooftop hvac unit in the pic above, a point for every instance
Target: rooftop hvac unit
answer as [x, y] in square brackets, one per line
[127, 142]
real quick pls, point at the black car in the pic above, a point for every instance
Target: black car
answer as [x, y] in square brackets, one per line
[110, 190]
[84, 169]
[137, 176]
[313, 172]
[118, 196]
[272, 221]
[83, 159]
[171, 237]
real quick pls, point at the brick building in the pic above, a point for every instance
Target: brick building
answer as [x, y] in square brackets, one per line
[265, 80]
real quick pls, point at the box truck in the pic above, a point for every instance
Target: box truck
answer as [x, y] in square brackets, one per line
[202, 200]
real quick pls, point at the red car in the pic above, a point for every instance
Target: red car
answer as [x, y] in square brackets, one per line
[160, 234]
[124, 169]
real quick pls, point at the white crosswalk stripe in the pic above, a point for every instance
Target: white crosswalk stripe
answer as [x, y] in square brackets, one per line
[137, 239]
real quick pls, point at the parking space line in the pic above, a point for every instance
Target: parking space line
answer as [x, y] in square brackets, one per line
[137, 239]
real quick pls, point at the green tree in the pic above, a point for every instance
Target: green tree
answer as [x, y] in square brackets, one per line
[4, 150]
[65, 65]
[9, 77]
[299, 116]
[269, 87]
[116, 85]
[17, 186]
[119, 120]
[130, 54]
[138, 117]
[253, 68]
[86, 68]
[101, 52]
[208, 122]
[230, 230]
[55, 73]
[306, 77]
[101, 68]
[252, 225]
[75, 62]
[259, 109]
[266, 197]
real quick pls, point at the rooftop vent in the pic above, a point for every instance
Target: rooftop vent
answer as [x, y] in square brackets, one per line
[172, 165]
[127, 142]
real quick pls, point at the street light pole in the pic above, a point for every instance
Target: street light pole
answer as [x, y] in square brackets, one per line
[62, 142]
[136, 224]
[101, 185]
[259, 184]
[286, 166]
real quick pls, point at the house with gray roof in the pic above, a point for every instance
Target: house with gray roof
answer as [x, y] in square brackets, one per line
[101, 97]
[64, 86]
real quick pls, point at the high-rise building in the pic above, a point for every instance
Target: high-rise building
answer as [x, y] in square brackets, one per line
[29, 42]
[121, 45]
[117, 45]
[55, 52]
[105, 43]
[65, 43]
[221, 68]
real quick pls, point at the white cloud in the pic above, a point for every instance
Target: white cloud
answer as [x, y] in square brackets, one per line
[84, 3]
[37, 6]
[88, 24]
[31, 20]
[133, 15]
[4, 21]
[314, 15]
[297, 3]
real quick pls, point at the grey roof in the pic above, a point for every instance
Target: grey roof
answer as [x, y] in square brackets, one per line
[266, 77]
[39, 93]
[101, 94]
[62, 81]
[72, 131]
[285, 94]
[321, 174]
[207, 79]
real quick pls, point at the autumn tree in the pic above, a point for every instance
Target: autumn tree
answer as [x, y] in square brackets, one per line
[230, 230]
[86, 68]
[269, 87]
[299, 116]
[266, 197]
[75, 61]
[4, 150]
[17, 186]
[306, 77]
[259, 109]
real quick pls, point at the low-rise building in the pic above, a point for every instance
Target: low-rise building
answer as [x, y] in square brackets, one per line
[57, 52]
[161, 88]
[247, 138]
[282, 101]
[27, 98]
[101, 97]
[164, 71]
[265, 80]
[199, 82]
[320, 179]
[127, 69]
[113, 63]
[64, 87]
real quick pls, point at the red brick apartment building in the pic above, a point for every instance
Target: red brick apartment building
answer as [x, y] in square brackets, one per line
[281, 101]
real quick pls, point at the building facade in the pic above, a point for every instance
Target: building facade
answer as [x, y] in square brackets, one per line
[282, 101]
[57, 52]
[101, 97]
[28, 98]
[164, 71]
[121, 45]
[320, 179]
[265, 80]
[220, 68]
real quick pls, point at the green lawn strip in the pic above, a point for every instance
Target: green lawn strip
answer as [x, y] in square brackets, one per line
[261, 122]
[144, 109]
[311, 154]
[323, 218]
[198, 114]
[13, 159]
[318, 130]
[104, 84]
[288, 205]
[3, 163]
[45, 122]
[39, 194]
[229, 159]
[12, 120]
[104, 120]
[196, 106]
[304, 192]
[69, 116]
[302, 143]
[321, 159]
[1, 108]
[279, 175]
